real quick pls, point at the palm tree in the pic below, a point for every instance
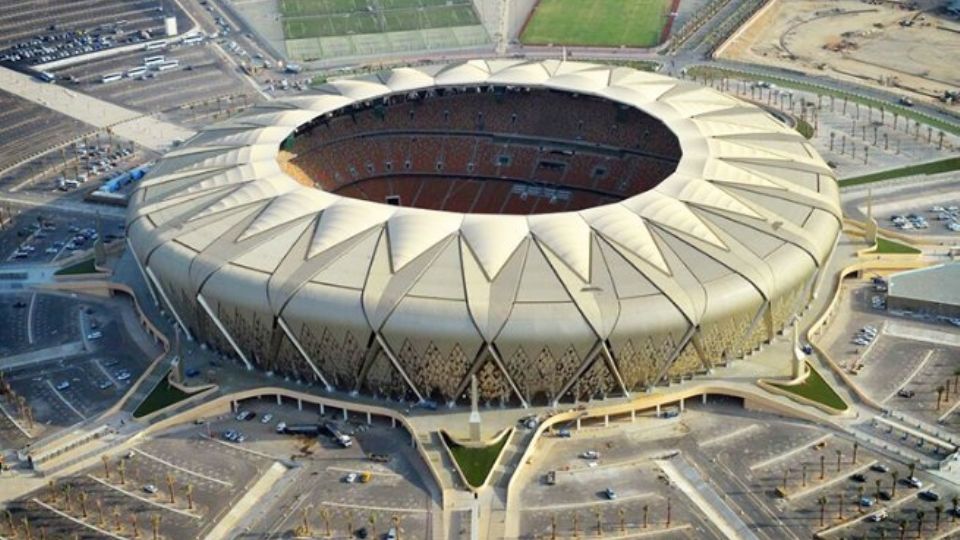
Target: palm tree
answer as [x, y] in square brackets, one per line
[133, 523]
[839, 456]
[878, 482]
[599, 514]
[189, 493]
[856, 446]
[155, 521]
[840, 506]
[903, 528]
[938, 510]
[913, 468]
[803, 475]
[822, 501]
[940, 390]
[668, 511]
[956, 378]
[121, 469]
[860, 490]
[325, 516]
[786, 474]
[52, 491]
[893, 490]
[553, 526]
[646, 511]
[956, 507]
[116, 519]
[920, 515]
[623, 525]
[396, 525]
[305, 526]
[83, 504]
[350, 522]
[99, 512]
[106, 467]
[823, 460]
[372, 520]
[170, 488]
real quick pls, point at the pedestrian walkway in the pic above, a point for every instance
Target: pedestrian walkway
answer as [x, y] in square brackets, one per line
[129, 124]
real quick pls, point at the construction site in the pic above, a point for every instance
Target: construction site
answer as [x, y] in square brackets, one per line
[910, 46]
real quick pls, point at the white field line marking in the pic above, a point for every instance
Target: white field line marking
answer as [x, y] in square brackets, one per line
[75, 520]
[735, 433]
[790, 453]
[144, 499]
[64, 400]
[181, 469]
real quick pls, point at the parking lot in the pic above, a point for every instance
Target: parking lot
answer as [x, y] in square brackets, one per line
[26, 128]
[199, 76]
[35, 33]
[69, 357]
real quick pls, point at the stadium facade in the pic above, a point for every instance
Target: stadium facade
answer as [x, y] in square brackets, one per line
[662, 283]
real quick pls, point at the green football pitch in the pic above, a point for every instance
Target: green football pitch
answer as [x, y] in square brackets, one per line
[325, 18]
[602, 23]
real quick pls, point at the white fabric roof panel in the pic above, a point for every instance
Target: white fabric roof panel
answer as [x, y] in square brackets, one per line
[553, 279]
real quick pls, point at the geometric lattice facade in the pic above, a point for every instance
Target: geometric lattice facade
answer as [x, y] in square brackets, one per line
[408, 303]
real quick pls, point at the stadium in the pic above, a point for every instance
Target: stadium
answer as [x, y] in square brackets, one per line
[561, 230]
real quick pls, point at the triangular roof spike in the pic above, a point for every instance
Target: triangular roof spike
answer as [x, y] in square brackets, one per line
[618, 224]
[669, 212]
[493, 239]
[343, 220]
[567, 235]
[412, 232]
[287, 208]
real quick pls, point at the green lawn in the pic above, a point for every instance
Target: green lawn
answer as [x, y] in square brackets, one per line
[816, 389]
[889, 246]
[476, 463]
[162, 395]
[85, 266]
[603, 23]
[933, 167]
[327, 18]
[804, 128]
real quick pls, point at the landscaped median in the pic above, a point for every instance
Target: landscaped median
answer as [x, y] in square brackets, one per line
[475, 462]
[86, 266]
[932, 167]
[889, 247]
[809, 389]
[165, 394]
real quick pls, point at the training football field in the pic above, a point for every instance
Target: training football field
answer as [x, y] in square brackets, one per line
[602, 23]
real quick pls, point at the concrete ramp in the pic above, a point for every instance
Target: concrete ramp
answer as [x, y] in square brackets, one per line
[705, 498]
[246, 503]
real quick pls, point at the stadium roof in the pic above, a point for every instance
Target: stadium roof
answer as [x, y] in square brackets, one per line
[938, 284]
[749, 198]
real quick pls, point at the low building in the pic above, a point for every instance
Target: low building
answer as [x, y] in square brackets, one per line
[934, 290]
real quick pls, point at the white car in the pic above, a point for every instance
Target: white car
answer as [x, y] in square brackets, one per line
[95, 335]
[63, 385]
[265, 419]
[150, 488]
[351, 478]
[590, 454]
[281, 426]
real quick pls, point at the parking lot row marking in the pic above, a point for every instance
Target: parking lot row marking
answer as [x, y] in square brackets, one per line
[591, 504]
[14, 422]
[75, 520]
[910, 377]
[240, 448]
[791, 453]
[376, 508]
[181, 469]
[839, 477]
[372, 470]
[735, 433]
[33, 302]
[106, 373]
[949, 447]
[860, 517]
[64, 400]
[144, 499]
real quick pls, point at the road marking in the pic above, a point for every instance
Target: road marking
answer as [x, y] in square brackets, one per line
[144, 499]
[838, 477]
[33, 301]
[64, 400]
[75, 520]
[15, 423]
[240, 448]
[790, 453]
[363, 468]
[913, 374]
[177, 467]
[735, 433]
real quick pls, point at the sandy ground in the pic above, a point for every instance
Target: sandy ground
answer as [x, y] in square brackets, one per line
[857, 41]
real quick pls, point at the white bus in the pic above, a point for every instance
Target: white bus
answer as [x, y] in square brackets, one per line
[111, 77]
[154, 60]
[155, 45]
[136, 72]
[190, 40]
[172, 64]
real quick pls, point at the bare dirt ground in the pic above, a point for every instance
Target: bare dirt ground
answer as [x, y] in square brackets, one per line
[869, 43]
